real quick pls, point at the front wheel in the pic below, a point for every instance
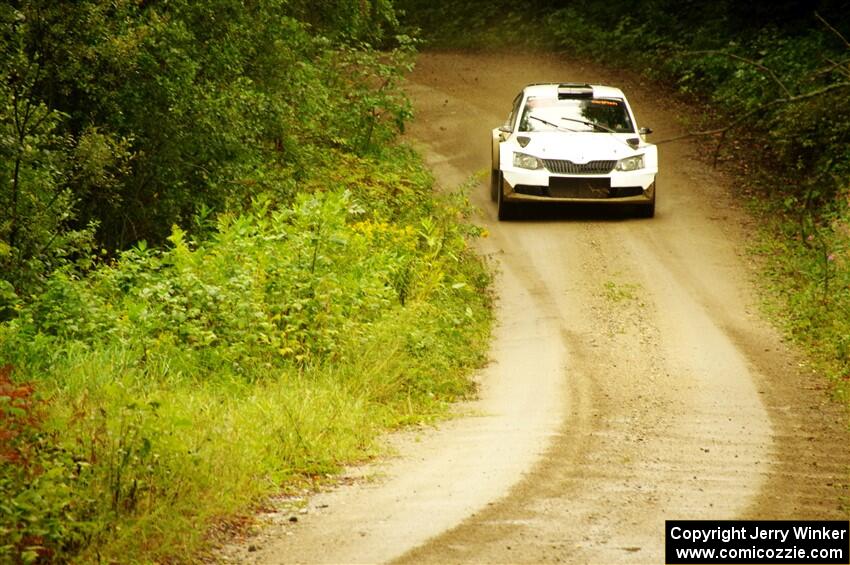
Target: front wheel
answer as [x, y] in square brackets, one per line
[495, 184]
[647, 210]
[504, 208]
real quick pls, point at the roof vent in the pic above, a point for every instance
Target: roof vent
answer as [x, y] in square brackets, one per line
[574, 90]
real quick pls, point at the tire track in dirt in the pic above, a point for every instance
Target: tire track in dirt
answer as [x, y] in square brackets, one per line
[616, 470]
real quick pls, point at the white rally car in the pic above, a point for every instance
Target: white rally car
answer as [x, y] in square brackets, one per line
[572, 143]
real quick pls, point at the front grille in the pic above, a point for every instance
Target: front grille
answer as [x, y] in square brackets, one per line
[564, 167]
[579, 188]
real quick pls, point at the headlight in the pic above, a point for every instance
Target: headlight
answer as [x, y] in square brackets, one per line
[630, 163]
[524, 161]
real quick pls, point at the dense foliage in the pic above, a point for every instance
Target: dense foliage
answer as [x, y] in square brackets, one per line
[119, 119]
[219, 270]
[178, 384]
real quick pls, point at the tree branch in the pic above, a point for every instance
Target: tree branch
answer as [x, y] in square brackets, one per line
[833, 30]
[842, 67]
[721, 132]
[756, 64]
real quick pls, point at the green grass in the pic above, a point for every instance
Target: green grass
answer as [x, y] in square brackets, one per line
[806, 270]
[616, 292]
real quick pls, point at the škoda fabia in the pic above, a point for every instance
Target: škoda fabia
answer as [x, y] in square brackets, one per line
[572, 143]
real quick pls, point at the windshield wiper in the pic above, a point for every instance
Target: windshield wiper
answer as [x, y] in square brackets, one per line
[548, 123]
[590, 124]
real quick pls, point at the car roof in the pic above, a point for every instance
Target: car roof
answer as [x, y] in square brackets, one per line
[550, 90]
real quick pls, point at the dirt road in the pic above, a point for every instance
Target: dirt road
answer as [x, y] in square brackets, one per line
[633, 379]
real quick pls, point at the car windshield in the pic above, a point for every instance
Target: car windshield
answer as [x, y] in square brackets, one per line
[599, 115]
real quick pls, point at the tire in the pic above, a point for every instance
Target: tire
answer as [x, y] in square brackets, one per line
[647, 210]
[494, 185]
[504, 209]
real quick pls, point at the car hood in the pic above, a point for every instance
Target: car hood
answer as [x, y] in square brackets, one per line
[580, 147]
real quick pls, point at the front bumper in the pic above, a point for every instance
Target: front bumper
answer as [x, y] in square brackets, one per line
[614, 188]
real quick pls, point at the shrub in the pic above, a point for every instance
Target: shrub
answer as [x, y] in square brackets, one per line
[182, 383]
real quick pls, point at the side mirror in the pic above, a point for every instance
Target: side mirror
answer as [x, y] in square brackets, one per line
[504, 131]
[645, 131]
